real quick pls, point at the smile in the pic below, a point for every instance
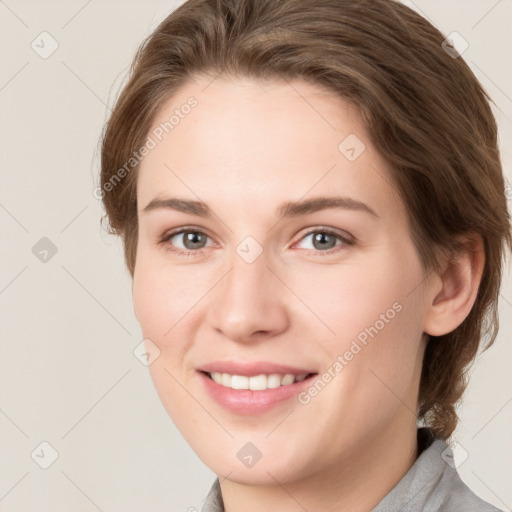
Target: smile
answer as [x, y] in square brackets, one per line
[257, 382]
[254, 394]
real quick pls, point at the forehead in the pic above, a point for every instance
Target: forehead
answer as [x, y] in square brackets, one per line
[246, 139]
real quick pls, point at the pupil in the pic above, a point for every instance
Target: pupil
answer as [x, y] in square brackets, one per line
[320, 238]
[194, 238]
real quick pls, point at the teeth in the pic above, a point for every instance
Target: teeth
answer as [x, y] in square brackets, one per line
[274, 380]
[257, 382]
[288, 379]
[239, 382]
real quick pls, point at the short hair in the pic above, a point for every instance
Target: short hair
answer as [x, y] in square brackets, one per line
[423, 109]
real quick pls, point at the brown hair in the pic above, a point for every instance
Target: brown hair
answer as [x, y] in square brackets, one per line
[424, 110]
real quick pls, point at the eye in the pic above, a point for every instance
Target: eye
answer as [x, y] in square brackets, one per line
[325, 240]
[192, 241]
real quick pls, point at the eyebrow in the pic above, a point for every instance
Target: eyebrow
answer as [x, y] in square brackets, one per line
[288, 209]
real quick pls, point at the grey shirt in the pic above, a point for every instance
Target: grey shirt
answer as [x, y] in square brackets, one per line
[431, 485]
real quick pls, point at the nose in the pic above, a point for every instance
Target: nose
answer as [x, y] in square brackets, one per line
[249, 303]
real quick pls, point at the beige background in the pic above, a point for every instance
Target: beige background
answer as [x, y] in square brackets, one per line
[68, 375]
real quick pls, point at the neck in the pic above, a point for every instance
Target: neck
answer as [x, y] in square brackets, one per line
[356, 483]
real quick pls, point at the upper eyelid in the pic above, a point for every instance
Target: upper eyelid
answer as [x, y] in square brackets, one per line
[179, 231]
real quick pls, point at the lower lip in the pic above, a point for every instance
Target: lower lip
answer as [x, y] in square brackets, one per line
[248, 401]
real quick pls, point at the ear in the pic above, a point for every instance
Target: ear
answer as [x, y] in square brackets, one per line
[452, 292]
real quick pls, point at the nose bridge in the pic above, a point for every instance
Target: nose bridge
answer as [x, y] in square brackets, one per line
[247, 279]
[248, 299]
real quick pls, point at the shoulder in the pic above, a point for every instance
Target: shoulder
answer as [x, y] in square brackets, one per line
[453, 495]
[433, 484]
[461, 497]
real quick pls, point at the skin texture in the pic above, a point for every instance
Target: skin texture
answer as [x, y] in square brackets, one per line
[246, 148]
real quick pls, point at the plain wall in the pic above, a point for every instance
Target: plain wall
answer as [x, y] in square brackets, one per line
[67, 372]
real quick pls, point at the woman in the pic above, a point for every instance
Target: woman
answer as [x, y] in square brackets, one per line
[314, 218]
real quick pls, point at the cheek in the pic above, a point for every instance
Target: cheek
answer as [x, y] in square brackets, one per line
[366, 300]
[375, 311]
[161, 301]
[162, 295]
[169, 302]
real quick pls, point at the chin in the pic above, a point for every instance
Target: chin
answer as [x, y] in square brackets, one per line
[272, 467]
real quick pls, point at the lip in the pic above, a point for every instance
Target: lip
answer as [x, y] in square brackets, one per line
[247, 401]
[251, 369]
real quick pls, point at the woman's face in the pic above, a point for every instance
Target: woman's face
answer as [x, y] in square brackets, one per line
[271, 280]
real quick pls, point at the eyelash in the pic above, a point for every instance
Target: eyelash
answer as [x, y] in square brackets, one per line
[181, 252]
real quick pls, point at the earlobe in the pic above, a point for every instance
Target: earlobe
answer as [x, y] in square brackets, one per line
[453, 292]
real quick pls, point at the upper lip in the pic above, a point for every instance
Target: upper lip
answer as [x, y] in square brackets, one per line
[251, 369]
